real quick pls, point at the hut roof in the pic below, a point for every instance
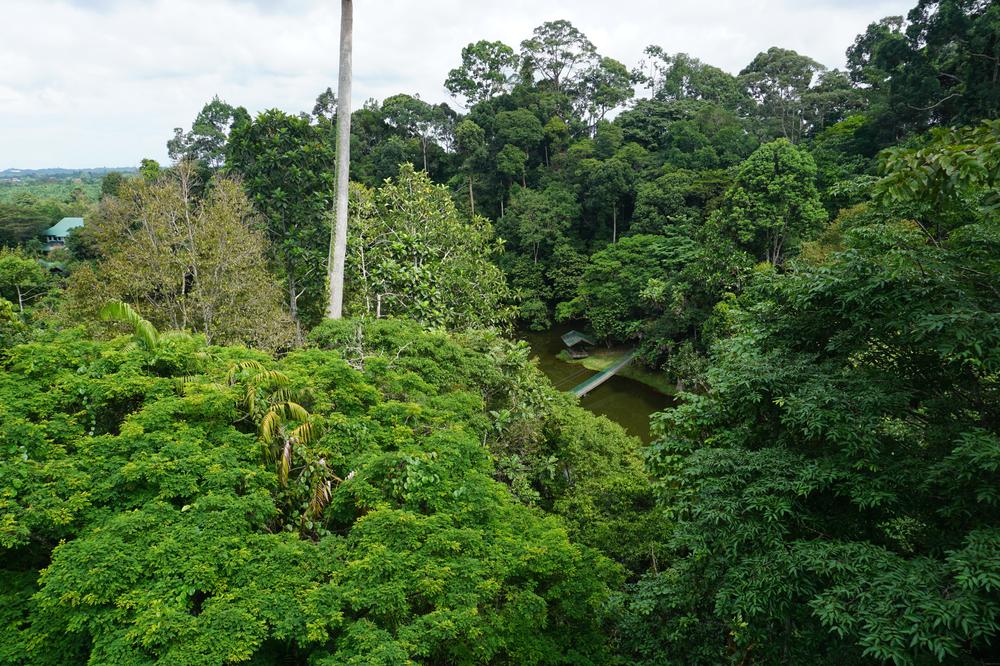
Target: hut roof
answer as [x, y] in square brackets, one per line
[63, 226]
[573, 338]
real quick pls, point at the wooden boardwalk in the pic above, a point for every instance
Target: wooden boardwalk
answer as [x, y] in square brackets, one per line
[591, 383]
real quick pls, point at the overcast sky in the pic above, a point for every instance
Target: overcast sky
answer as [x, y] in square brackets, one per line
[87, 83]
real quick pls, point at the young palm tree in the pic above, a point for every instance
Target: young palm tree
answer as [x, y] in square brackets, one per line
[282, 420]
[287, 432]
[338, 240]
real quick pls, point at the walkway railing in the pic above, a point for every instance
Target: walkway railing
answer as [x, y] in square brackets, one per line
[591, 383]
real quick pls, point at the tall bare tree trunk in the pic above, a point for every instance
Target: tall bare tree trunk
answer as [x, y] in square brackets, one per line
[293, 305]
[338, 240]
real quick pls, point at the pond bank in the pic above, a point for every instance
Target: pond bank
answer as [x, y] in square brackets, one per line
[622, 399]
[602, 359]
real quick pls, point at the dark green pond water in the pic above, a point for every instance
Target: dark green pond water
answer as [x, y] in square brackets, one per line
[623, 400]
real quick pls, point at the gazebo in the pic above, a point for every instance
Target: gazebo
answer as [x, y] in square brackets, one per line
[577, 344]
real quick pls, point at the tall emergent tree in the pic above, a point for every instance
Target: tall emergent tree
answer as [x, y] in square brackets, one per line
[338, 241]
[287, 168]
[773, 204]
[488, 69]
[559, 54]
[777, 80]
[206, 142]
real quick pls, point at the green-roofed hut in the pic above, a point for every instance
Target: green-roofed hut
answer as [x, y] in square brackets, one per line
[577, 343]
[56, 235]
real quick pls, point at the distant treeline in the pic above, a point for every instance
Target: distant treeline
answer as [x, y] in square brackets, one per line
[59, 173]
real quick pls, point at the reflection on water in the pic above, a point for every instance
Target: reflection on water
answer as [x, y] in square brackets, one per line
[622, 400]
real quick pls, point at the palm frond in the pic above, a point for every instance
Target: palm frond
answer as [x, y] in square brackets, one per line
[269, 378]
[181, 383]
[250, 401]
[285, 464]
[176, 335]
[270, 426]
[280, 395]
[144, 332]
[238, 367]
[322, 494]
[306, 434]
[277, 416]
[291, 411]
[259, 376]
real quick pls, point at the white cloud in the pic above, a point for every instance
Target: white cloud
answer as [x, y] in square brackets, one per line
[103, 82]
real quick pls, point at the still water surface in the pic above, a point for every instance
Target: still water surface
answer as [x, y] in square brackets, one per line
[622, 400]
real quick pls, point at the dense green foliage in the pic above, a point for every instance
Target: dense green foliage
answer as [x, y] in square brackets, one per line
[192, 262]
[22, 278]
[137, 478]
[938, 66]
[811, 256]
[287, 170]
[535, 152]
[55, 187]
[25, 215]
[411, 255]
[837, 484]
[772, 204]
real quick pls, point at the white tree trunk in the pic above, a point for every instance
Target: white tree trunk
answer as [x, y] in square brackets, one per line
[338, 240]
